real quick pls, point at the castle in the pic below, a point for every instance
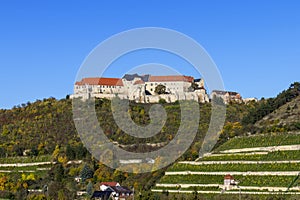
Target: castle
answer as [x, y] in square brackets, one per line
[143, 88]
[151, 89]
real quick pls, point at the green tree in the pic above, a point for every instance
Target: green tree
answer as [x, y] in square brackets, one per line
[80, 151]
[61, 195]
[86, 173]
[70, 153]
[162, 101]
[53, 189]
[58, 172]
[89, 188]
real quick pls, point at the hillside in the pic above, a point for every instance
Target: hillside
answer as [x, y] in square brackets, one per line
[285, 117]
[38, 126]
[260, 111]
[43, 133]
[262, 165]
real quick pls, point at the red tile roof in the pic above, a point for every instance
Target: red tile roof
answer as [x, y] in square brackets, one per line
[112, 184]
[170, 78]
[228, 176]
[100, 81]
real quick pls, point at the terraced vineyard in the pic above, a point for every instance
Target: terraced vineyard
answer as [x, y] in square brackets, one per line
[261, 141]
[34, 167]
[261, 165]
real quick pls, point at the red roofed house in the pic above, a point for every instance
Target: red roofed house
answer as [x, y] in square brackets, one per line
[88, 86]
[105, 185]
[229, 182]
[118, 192]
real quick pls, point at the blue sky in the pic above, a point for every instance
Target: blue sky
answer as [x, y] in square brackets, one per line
[255, 44]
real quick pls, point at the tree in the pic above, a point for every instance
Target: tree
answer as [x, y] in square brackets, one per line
[86, 173]
[2, 152]
[53, 189]
[89, 189]
[58, 172]
[21, 193]
[61, 195]
[80, 151]
[70, 152]
[160, 89]
[162, 101]
[55, 153]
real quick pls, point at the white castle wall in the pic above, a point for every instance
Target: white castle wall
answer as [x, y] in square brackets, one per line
[178, 90]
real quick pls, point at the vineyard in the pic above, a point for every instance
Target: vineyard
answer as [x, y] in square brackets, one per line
[255, 172]
[22, 159]
[234, 167]
[270, 156]
[260, 141]
[270, 181]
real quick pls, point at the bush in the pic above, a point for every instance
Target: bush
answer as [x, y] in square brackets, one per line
[162, 101]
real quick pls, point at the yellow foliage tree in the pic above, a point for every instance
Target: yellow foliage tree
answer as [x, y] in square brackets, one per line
[55, 153]
[63, 159]
[3, 181]
[28, 177]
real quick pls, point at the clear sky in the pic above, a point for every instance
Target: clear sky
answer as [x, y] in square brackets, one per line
[255, 44]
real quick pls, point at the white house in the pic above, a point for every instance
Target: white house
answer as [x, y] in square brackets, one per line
[99, 85]
[229, 182]
[118, 192]
[227, 96]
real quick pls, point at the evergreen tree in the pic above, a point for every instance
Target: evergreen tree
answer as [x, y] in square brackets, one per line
[86, 173]
[89, 189]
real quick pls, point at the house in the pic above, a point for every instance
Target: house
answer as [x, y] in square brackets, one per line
[99, 85]
[105, 185]
[101, 195]
[227, 96]
[114, 189]
[229, 182]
